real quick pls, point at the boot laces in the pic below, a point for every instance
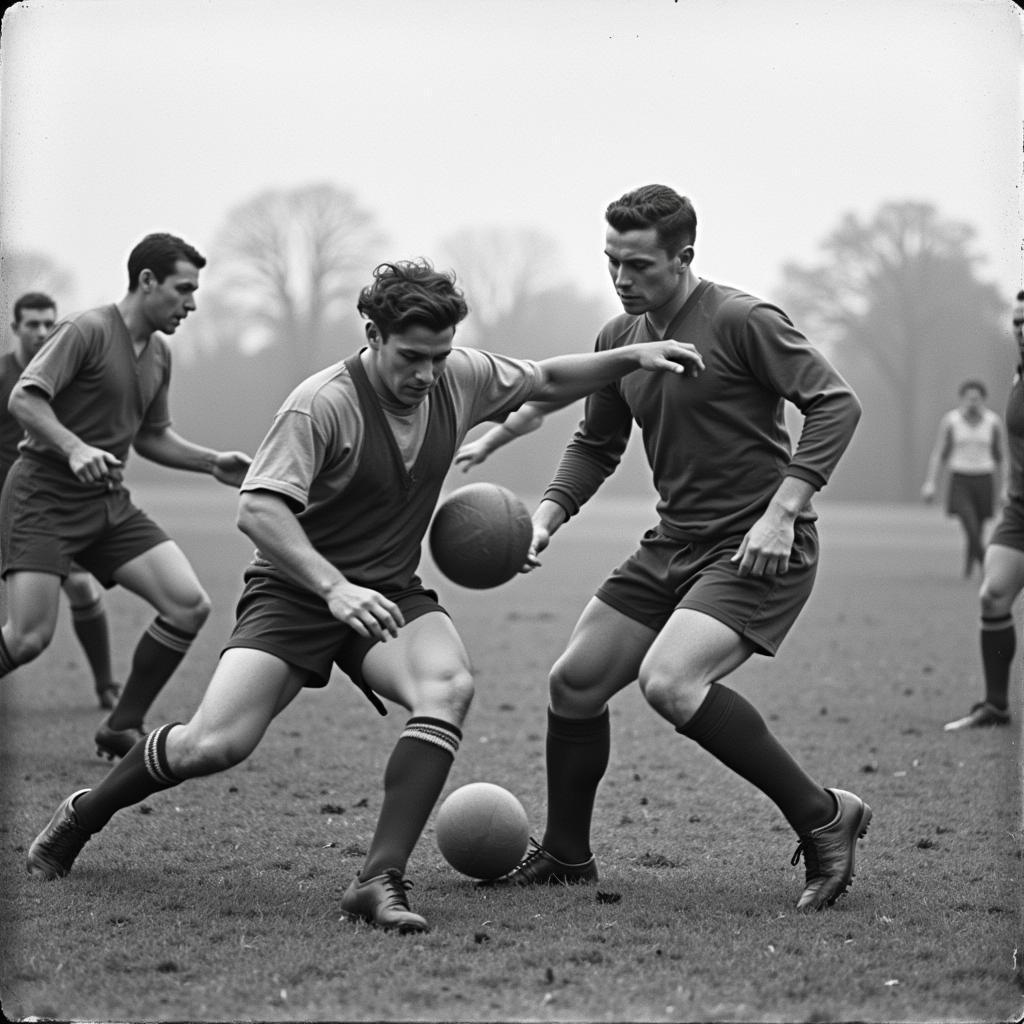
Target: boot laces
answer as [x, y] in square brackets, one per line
[397, 887]
[810, 854]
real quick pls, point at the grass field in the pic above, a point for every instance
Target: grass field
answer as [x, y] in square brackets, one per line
[218, 900]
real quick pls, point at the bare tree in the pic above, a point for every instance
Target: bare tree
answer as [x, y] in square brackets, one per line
[499, 269]
[285, 270]
[897, 303]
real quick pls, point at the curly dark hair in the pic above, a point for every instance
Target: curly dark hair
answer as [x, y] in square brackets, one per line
[408, 293]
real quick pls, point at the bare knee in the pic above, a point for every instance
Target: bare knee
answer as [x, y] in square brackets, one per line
[28, 643]
[574, 692]
[81, 591]
[995, 598]
[189, 613]
[670, 694]
[452, 694]
[191, 754]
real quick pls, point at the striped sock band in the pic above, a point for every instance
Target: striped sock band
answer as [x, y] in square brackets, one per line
[433, 730]
[990, 623]
[155, 757]
[6, 661]
[170, 636]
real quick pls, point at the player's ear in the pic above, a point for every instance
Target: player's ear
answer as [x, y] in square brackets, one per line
[373, 335]
[685, 256]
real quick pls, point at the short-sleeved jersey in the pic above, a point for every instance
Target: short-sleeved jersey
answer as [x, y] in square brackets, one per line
[11, 431]
[320, 449]
[972, 448]
[717, 443]
[1015, 436]
[98, 387]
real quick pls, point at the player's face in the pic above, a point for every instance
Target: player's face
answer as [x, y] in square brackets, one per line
[407, 366]
[645, 276]
[31, 330]
[168, 302]
[973, 402]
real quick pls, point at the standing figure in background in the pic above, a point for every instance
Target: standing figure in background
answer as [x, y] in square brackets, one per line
[971, 446]
[34, 316]
[1003, 577]
[97, 389]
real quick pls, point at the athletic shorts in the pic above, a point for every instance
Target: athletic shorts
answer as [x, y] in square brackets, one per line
[50, 520]
[1009, 531]
[970, 492]
[664, 574]
[297, 627]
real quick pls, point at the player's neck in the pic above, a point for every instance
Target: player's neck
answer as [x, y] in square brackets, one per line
[139, 328]
[660, 318]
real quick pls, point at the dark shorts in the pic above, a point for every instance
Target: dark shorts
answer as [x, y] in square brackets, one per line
[970, 493]
[297, 627]
[1009, 531]
[665, 574]
[49, 521]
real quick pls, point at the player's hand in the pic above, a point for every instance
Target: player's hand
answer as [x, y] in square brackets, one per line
[230, 467]
[928, 493]
[364, 610]
[766, 547]
[674, 356]
[472, 453]
[541, 539]
[94, 465]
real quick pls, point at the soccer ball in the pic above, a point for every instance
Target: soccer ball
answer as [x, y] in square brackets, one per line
[481, 535]
[482, 830]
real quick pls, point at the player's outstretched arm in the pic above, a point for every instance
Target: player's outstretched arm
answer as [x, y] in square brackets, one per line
[267, 520]
[168, 448]
[524, 420]
[566, 378]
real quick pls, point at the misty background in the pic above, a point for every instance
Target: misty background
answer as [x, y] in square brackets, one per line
[859, 164]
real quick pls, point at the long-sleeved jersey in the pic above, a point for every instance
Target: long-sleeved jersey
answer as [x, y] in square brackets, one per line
[717, 444]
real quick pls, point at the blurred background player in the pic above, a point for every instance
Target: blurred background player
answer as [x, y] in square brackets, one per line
[727, 570]
[971, 448]
[1003, 576]
[338, 499]
[34, 316]
[96, 389]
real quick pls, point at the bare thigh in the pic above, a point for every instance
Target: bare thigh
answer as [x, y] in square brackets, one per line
[164, 577]
[248, 690]
[425, 669]
[602, 657]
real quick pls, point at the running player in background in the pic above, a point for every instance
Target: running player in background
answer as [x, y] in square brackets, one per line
[95, 390]
[34, 316]
[970, 447]
[1003, 573]
[732, 561]
[338, 499]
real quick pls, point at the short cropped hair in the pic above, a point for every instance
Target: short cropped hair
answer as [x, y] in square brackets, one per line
[160, 252]
[976, 385]
[411, 293]
[32, 300]
[656, 206]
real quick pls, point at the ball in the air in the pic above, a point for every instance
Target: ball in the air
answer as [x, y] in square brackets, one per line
[482, 830]
[481, 535]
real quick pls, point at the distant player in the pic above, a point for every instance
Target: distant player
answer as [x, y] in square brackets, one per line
[970, 446]
[338, 499]
[95, 390]
[1003, 577]
[34, 317]
[732, 561]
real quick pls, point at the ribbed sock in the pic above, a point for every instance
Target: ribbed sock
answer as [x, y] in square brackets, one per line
[577, 757]
[998, 646]
[140, 773]
[91, 628]
[413, 779]
[157, 654]
[730, 728]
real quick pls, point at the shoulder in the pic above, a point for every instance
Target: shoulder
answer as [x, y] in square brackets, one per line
[324, 395]
[620, 331]
[730, 307]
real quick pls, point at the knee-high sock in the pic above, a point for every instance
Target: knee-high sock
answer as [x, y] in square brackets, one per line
[577, 758]
[413, 779]
[998, 646]
[91, 628]
[140, 773]
[157, 654]
[731, 729]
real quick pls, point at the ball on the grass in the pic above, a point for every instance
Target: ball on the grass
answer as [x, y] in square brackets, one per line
[481, 535]
[482, 830]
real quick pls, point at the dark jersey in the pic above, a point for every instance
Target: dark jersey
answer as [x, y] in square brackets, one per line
[98, 387]
[717, 444]
[1015, 436]
[11, 431]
